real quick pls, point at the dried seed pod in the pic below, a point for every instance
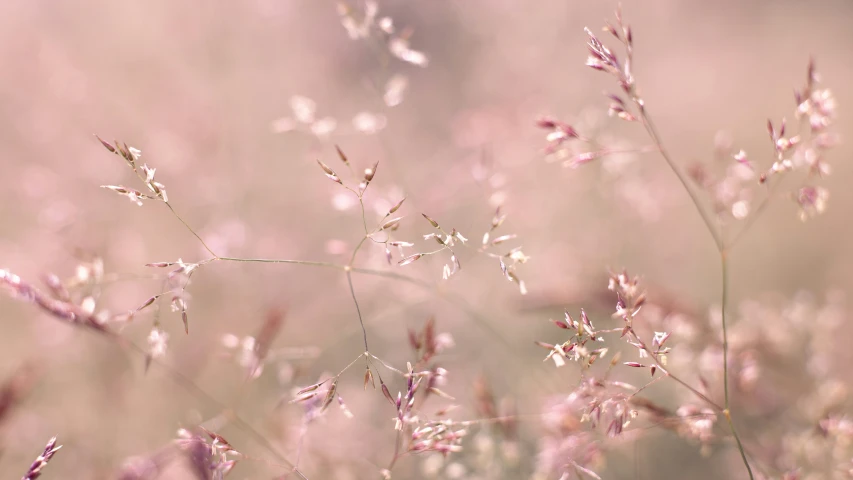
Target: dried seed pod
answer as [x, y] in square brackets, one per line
[370, 172]
[147, 303]
[368, 377]
[186, 321]
[387, 393]
[503, 238]
[401, 244]
[330, 395]
[409, 259]
[397, 206]
[342, 156]
[160, 264]
[106, 144]
[310, 388]
[329, 172]
[559, 323]
[498, 219]
[391, 224]
[585, 318]
[431, 221]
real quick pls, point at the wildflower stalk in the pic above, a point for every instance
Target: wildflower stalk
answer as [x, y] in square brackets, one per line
[602, 59]
[717, 236]
[229, 412]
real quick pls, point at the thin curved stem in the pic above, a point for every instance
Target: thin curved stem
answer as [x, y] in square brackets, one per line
[283, 260]
[740, 448]
[363, 215]
[725, 295]
[717, 236]
[693, 390]
[694, 197]
[727, 411]
[190, 229]
[358, 310]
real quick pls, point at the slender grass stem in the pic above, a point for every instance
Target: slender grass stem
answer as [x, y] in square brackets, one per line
[283, 260]
[740, 447]
[358, 310]
[725, 295]
[694, 197]
[175, 213]
[717, 236]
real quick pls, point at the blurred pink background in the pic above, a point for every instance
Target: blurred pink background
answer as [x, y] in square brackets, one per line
[201, 88]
